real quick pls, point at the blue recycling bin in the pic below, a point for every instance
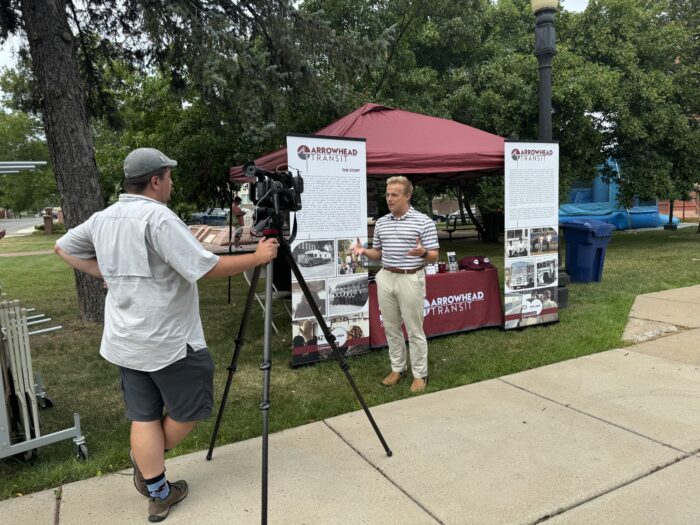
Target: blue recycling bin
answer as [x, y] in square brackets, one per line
[586, 242]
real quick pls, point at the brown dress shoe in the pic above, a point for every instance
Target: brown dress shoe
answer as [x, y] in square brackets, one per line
[419, 384]
[393, 378]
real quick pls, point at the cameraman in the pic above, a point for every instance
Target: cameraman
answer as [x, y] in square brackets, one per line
[150, 263]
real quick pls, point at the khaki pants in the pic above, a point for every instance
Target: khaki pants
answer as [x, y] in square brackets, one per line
[401, 297]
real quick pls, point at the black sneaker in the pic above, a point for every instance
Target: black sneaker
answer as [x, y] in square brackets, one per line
[158, 509]
[139, 482]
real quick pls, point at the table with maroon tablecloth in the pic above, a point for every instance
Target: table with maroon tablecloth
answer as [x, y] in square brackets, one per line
[455, 302]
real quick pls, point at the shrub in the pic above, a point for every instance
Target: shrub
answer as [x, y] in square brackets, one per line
[58, 227]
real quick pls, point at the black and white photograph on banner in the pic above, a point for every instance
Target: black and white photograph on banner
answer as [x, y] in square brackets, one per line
[544, 240]
[351, 332]
[356, 328]
[300, 306]
[517, 243]
[546, 271]
[519, 274]
[315, 258]
[305, 333]
[347, 295]
[548, 297]
[531, 307]
[512, 309]
[349, 263]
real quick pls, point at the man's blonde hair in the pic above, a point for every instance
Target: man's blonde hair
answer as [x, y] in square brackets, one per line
[403, 181]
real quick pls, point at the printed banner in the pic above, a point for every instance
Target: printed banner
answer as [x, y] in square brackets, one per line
[454, 302]
[332, 219]
[532, 233]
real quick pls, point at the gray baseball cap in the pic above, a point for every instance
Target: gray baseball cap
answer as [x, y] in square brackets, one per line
[145, 160]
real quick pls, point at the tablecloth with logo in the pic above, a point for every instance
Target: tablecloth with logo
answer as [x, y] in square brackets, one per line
[455, 302]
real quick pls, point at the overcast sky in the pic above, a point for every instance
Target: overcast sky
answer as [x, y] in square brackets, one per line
[7, 58]
[6, 54]
[574, 5]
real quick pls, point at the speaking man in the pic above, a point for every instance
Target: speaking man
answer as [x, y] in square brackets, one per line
[150, 263]
[404, 241]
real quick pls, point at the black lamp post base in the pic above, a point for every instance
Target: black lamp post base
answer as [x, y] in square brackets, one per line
[670, 226]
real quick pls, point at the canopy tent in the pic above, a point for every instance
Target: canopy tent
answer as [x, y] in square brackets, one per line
[425, 149]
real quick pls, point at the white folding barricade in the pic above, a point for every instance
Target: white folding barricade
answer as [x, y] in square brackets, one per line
[22, 395]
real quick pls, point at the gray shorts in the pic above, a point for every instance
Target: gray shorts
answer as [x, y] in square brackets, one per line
[185, 388]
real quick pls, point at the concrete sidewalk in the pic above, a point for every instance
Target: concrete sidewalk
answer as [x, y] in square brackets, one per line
[607, 438]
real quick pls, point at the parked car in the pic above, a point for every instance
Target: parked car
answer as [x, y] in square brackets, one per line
[212, 216]
[456, 216]
[217, 212]
[438, 217]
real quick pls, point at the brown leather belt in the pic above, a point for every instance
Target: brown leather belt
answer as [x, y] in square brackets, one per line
[401, 270]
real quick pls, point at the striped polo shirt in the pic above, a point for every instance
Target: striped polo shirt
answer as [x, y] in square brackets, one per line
[396, 237]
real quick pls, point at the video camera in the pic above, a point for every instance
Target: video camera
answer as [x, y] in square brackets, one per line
[286, 186]
[273, 186]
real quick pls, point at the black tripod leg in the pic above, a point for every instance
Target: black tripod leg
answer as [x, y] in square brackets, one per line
[236, 354]
[230, 235]
[265, 366]
[340, 358]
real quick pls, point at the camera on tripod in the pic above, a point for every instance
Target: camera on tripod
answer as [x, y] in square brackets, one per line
[274, 193]
[287, 187]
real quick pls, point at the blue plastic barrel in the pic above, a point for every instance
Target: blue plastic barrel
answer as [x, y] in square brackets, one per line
[586, 242]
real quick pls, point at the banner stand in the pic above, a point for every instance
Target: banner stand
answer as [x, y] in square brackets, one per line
[531, 233]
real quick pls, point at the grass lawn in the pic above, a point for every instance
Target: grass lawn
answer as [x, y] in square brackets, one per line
[77, 379]
[28, 243]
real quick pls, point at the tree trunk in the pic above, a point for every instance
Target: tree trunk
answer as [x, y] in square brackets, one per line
[54, 63]
[460, 203]
[468, 206]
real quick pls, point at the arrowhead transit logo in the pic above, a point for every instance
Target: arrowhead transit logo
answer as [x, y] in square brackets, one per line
[304, 152]
[530, 154]
[451, 303]
[325, 153]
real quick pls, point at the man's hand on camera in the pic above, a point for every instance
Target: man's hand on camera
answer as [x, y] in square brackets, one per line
[266, 250]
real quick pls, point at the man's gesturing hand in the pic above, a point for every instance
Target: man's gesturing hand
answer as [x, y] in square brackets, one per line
[357, 248]
[418, 251]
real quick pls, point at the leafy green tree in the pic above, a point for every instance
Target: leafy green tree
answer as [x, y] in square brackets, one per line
[20, 140]
[154, 115]
[52, 48]
[246, 61]
[473, 61]
[649, 116]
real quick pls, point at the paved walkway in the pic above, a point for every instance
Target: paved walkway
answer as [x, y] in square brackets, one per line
[610, 438]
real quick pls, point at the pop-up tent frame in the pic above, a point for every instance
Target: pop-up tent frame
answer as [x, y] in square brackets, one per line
[425, 149]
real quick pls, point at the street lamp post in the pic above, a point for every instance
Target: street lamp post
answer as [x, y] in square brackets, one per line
[545, 49]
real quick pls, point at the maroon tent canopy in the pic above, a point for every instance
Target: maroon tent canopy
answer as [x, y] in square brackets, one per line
[426, 149]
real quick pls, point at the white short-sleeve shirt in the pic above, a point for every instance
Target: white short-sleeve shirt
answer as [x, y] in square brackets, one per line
[151, 263]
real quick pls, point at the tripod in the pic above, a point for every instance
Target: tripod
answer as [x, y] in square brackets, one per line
[266, 364]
